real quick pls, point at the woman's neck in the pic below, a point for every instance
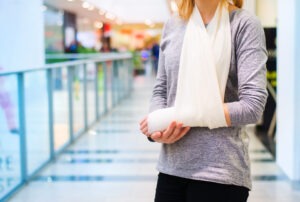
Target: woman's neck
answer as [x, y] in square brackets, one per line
[207, 9]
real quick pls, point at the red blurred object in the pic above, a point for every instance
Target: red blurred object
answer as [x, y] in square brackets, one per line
[106, 28]
[139, 36]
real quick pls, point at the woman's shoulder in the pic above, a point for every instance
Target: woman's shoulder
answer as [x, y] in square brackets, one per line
[173, 22]
[176, 19]
[244, 20]
[173, 28]
[247, 30]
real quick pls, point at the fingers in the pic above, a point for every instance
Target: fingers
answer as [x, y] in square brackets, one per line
[169, 130]
[173, 134]
[145, 130]
[143, 121]
[176, 132]
[183, 132]
[156, 137]
[144, 126]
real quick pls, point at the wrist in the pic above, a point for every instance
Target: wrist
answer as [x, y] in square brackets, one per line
[150, 139]
[227, 115]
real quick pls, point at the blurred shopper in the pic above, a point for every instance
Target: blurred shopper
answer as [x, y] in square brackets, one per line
[73, 48]
[147, 66]
[7, 107]
[145, 55]
[105, 47]
[204, 157]
[155, 56]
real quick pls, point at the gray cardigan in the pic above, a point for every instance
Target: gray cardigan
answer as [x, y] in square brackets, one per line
[218, 155]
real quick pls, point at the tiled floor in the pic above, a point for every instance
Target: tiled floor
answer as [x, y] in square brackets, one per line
[114, 163]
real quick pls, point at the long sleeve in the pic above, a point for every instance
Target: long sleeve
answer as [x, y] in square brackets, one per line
[251, 57]
[159, 94]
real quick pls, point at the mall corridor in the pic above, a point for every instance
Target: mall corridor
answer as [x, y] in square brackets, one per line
[76, 77]
[113, 162]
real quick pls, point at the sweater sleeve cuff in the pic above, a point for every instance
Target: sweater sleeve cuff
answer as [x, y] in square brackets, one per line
[234, 109]
[150, 139]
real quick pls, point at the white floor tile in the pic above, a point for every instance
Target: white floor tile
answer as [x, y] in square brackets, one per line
[130, 144]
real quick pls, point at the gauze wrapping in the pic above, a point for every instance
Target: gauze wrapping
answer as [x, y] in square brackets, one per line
[202, 77]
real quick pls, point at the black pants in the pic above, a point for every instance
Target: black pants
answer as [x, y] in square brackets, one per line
[175, 189]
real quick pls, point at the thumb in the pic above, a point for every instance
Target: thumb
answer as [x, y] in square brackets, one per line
[156, 135]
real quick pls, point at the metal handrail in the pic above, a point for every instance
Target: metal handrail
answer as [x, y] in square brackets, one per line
[272, 91]
[120, 76]
[92, 58]
[86, 55]
[272, 126]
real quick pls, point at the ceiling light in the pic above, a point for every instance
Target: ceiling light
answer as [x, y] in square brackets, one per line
[148, 22]
[110, 16]
[101, 12]
[85, 5]
[91, 8]
[98, 25]
[70, 0]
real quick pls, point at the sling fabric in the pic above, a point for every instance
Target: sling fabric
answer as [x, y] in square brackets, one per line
[203, 74]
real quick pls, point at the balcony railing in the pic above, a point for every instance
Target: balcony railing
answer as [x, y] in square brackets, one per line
[43, 110]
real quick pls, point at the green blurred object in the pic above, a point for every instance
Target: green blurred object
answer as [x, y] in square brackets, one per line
[138, 63]
[100, 78]
[82, 49]
[51, 61]
[137, 60]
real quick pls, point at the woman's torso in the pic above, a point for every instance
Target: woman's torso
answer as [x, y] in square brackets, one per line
[219, 155]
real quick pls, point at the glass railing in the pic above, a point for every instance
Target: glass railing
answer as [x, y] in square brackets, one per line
[44, 110]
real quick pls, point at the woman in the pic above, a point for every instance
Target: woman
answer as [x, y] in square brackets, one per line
[209, 163]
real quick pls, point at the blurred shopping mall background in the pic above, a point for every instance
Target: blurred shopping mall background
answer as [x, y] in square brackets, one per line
[76, 78]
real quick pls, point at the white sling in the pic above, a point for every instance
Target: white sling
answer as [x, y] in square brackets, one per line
[202, 77]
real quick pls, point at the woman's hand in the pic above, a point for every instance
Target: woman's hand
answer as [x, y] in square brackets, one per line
[172, 134]
[144, 127]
